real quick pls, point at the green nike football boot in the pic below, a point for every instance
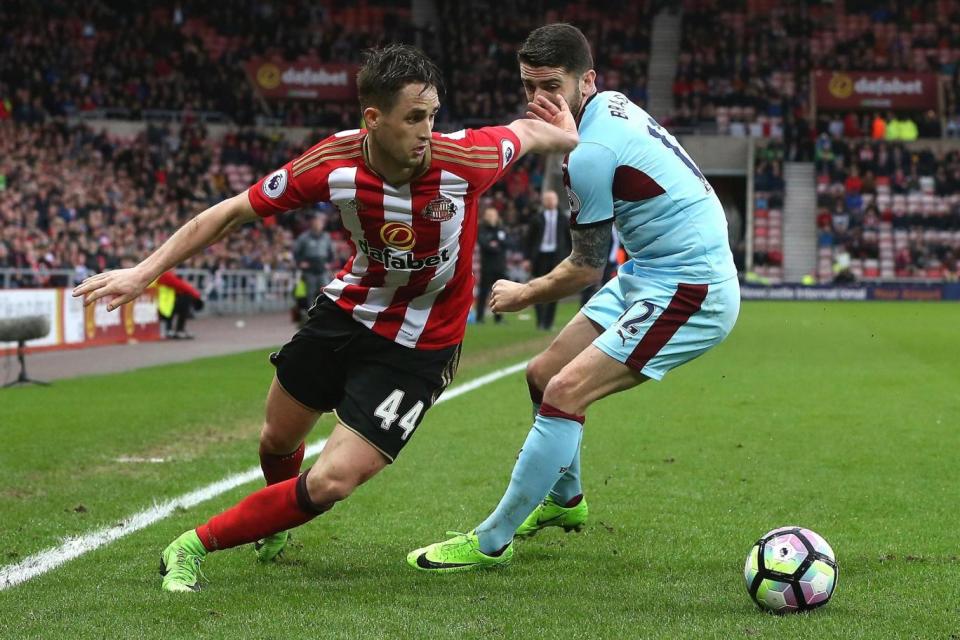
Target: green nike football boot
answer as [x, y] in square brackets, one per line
[550, 514]
[180, 563]
[270, 548]
[459, 553]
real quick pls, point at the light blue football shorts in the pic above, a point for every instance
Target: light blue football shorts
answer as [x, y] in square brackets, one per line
[667, 325]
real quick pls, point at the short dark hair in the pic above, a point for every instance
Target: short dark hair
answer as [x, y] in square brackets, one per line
[385, 72]
[557, 45]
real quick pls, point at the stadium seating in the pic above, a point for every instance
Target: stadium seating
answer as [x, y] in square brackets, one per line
[768, 199]
[744, 67]
[900, 219]
[182, 62]
[133, 60]
[81, 200]
[743, 70]
[479, 51]
[130, 60]
[149, 185]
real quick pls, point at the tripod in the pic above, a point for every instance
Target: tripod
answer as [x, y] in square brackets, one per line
[23, 378]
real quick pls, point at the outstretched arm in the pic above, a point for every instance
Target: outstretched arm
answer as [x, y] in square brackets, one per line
[583, 267]
[548, 128]
[123, 285]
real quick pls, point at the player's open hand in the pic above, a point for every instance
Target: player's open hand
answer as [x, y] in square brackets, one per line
[117, 287]
[507, 296]
[553, 110]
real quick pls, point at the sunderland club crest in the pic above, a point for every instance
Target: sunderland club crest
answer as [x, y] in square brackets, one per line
[439, 209]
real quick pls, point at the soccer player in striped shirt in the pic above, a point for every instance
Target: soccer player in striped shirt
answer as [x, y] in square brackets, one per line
[676, 298]
[382, 341]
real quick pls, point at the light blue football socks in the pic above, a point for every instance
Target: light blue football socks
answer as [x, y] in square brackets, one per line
[548, 452]
[568, 486]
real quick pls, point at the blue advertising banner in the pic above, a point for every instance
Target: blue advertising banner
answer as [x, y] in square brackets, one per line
[880, 291]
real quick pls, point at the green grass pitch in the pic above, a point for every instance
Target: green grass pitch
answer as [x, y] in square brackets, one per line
[841, 417]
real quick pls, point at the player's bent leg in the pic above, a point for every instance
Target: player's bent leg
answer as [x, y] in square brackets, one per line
[285, 428]
[672, 326]
[286, 425]
[270, 510]
[346, 462]
[309, 380]
[546, 454]
[572, 339]
[564, 506]
[592, 375]
[646, 340]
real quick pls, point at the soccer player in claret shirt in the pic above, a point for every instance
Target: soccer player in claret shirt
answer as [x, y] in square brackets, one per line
[382, 341]
[674, 300]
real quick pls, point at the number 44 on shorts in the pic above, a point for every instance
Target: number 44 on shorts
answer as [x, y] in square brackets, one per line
[389, 411]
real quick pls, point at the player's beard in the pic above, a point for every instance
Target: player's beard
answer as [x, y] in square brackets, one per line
[574, 102]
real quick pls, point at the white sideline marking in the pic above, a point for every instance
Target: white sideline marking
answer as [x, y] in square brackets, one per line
[135, 459]
[74, 547]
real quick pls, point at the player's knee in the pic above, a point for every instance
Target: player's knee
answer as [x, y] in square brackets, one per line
[562, 392]
[537, 378]
[325, 489]
[276, 441]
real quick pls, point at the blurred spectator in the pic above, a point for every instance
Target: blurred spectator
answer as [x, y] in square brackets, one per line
[313, 254]
[768, 198]
[841, 268]
[878, 130]
[929, 125]
[492, 239]
[851, 126]
[176, 301]
[548, 243]
[901, 127]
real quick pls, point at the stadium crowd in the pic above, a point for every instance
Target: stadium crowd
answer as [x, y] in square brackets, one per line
[744, 67]
[479, 51]
[887, 210]
[74, 198]
[768, 197]
[884, 210]
[130, 60]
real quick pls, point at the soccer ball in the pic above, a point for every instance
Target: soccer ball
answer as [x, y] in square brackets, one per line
[791, 569]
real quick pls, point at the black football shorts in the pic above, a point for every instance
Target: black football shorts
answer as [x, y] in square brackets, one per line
[378, 389]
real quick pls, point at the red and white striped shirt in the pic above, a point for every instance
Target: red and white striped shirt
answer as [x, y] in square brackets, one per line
[410, 278]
